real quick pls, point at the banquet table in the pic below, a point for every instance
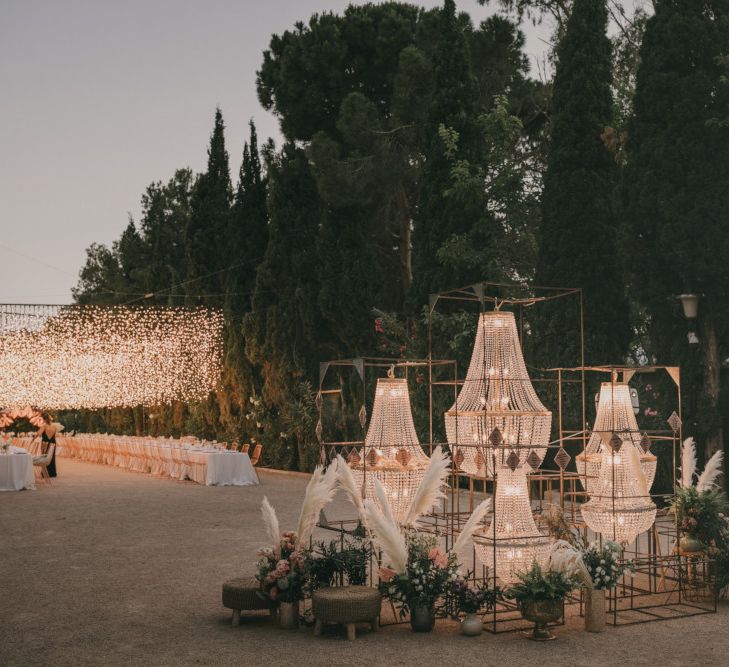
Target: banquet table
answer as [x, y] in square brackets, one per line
[217, 468]
[16, 470]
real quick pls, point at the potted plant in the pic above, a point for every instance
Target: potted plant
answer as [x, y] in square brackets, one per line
[470, 599]
[422, 579]
[282, 576]
[601, 563]
[540, 595]
[699, 507]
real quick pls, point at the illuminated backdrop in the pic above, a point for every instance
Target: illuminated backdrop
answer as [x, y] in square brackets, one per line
[61, 357]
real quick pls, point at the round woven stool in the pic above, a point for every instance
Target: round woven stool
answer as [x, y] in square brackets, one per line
[242, 595]
[346, 605]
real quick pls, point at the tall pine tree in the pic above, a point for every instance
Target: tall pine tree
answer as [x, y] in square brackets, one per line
[579, 231]
[677, 198]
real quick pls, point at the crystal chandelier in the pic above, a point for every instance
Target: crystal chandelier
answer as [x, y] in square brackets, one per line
[614, 416]
[391, 453]
[497, 412]
[513, 542]
[620, 507]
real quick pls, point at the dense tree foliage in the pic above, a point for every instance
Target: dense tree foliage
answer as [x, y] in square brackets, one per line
[418, 154]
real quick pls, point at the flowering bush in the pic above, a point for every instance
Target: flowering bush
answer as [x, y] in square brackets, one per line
[471, 598]
[282, 572]
[602, 564]
[428, 573]
[700, 514]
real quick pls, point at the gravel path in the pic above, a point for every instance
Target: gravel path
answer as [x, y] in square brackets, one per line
[111, 567]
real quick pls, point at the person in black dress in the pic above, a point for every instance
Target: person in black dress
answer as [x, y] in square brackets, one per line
[47, 433]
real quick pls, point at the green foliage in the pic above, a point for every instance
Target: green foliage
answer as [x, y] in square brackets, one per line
[601, 561]
[578, 242]
[701, 514]
[537, 584]
[337, 562]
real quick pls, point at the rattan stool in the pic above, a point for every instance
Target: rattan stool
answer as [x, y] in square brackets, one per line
[346, 605]
[242, 595]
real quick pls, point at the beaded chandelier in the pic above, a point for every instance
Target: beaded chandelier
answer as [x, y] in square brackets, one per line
[620, 507]
[391, 453]
[614, 416]
[497, 414]
[514, 542]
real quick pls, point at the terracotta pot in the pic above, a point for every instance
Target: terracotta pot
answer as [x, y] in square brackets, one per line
[595, 610]
[541, 612]
[422, 619]
[288, 615]
[471, 625]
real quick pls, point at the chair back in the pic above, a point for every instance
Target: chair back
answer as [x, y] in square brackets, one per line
[257, 454]
[245, 447]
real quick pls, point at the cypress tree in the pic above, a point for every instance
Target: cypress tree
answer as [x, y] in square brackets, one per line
[677, 199]
[579, 230]
[209, 220]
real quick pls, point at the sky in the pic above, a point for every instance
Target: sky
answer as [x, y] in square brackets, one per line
[100, 98]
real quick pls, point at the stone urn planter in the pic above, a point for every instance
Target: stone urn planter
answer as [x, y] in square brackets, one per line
[541, 612]
[690, 544]
[595, 610]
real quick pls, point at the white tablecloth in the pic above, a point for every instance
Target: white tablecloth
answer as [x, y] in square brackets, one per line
[16, 470]
[230, 469]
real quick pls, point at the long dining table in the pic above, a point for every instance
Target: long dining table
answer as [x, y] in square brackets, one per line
[206, 463]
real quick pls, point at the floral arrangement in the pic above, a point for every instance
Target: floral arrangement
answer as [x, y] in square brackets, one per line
[332, 563]
[537, 585]
[425, 577]
[471, 598]
[603, 566]
[282, 572]
[700, 507]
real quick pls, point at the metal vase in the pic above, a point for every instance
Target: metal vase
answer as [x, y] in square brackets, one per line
[288, 615]
[595, 610]
[541, 612]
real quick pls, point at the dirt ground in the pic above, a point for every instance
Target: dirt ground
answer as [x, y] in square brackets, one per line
[112, 567]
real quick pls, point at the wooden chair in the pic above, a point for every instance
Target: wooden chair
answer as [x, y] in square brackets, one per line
[244, 448]
[256, 456]
[42, 462]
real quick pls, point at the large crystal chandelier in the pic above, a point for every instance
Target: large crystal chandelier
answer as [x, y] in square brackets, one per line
[497, 414]
[512, 542]
[614, 416]
[391, 453]
[620, 507]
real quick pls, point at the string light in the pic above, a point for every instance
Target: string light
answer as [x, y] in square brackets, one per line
[614, 415]
[74, 357]
[392, 453]
[497, 394]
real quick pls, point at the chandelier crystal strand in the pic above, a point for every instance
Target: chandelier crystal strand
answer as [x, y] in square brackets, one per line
[614, 415]
[619, 508]
[497, 394]
[76, 357]
[513, 543]
[392, 453]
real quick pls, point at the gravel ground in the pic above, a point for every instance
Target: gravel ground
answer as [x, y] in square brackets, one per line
[112, 567]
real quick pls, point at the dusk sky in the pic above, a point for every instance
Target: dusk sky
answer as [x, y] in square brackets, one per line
[101, 98]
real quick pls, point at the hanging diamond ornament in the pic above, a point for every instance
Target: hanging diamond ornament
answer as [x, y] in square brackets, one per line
[674, 421]
[391, 450]
[615, 443]
[458, 459]
[533, 460]
[562, 458]
[615, 418]
[645, 443]
[512, 460]
[363, 416]
[497, 407]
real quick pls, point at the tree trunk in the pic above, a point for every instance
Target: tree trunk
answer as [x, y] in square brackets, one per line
[712, 368]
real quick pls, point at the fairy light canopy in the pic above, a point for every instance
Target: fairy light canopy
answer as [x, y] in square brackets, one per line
[74, 357]
[615, 415]
[497, 411]
[392, 453]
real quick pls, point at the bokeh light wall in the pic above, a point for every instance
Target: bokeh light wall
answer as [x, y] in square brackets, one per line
[73, 357]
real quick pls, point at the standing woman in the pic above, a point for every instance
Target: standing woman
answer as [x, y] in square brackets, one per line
[47, 433]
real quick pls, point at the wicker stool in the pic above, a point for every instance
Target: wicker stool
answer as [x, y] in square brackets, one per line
[242, 595]
[346, 605]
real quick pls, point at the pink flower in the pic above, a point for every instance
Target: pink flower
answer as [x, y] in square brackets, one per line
[387, 574]
[438, 558]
